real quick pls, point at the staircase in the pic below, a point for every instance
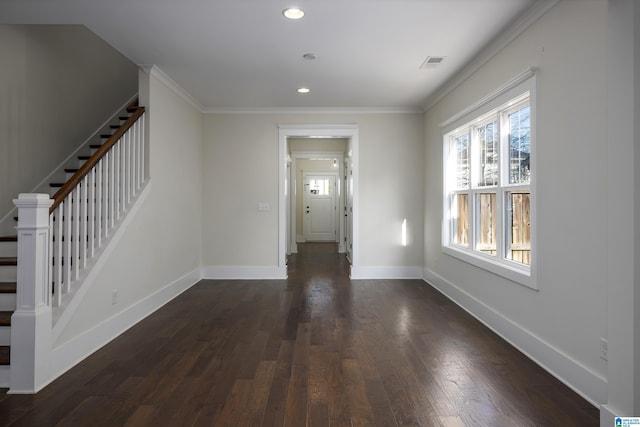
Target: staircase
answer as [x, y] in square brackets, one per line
[55, 187]
[8, 263]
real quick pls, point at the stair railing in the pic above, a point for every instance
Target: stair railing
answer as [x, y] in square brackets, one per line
[90, 204]
[59, 238]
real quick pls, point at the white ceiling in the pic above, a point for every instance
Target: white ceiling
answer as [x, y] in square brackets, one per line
[245, 54]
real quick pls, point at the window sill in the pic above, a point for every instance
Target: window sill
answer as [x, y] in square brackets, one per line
[515, 272]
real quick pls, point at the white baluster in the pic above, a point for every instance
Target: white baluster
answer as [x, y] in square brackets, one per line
[99, 204]
[75, 264]
[129, 167]
[125, 160]
[57, 256]
[136, 153]
[84, 222]
[118, 194]
[66, 244]
[91, 244]
[105, 195]
[112, 202]
[123, 178]
[50, 283]
[142, 147]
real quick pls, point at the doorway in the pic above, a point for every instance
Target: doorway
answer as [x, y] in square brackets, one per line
[286, 216]
[319, 212]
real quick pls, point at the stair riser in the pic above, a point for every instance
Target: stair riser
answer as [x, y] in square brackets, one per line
[8, 249]
[5, 335]
[7, 302]
[8, 273]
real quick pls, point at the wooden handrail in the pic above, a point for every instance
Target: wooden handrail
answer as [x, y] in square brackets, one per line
[94, 159]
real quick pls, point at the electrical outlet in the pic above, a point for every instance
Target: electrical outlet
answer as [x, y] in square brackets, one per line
[114, 297]
[604, 344]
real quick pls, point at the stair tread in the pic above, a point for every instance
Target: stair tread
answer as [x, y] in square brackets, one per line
[71, 170]
[8, 260]
[8, 238]
[5, 355]
[5, 318]
[7, 287]
[56, 184]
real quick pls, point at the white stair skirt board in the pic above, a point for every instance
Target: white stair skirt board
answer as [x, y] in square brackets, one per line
[244, 273]
[579, 378]
[62, 315]
[361, 273]
[4, 376]
[70, 353]
[608, 414]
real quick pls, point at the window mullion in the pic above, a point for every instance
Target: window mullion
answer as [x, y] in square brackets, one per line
[503, 180]
[475, 167]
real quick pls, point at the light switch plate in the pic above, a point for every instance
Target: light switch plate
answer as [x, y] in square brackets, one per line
[263, 206]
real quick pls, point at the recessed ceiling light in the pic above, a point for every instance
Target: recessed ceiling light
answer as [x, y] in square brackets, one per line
[304, 90]
[293, 13]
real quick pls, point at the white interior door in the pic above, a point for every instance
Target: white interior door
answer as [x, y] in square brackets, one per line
[319, 208]
[348, 208]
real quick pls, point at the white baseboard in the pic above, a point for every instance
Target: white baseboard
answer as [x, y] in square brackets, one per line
[607, 415]
[72, 352]
[360, 273]
[572, 373]
[244, 272]
[300, 238]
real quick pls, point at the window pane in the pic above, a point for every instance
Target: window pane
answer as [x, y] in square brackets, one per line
[519, 222]
[460, 219]
[462, 161]
[320, 187]
[519, 146]
[488, 139]
[486, 223]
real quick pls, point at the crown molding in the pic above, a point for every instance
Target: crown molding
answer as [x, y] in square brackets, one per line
[513, 30]
[156, 72]
[303, 110]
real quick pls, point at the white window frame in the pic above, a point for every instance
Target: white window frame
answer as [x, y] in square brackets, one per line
[498, 104]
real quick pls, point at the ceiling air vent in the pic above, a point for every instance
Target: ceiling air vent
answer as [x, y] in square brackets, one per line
[431, 62]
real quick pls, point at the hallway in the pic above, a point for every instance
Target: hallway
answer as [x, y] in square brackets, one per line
[316, 349]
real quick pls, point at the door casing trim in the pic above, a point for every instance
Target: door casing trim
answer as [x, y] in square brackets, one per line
[347, 131]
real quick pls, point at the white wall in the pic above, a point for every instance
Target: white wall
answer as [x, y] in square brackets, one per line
[561, 324]
[316, 145]
[623, 155]
[391, 186]
[161, 246]
[58, 84]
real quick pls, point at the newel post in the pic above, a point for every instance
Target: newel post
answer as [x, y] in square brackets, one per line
[31, 322]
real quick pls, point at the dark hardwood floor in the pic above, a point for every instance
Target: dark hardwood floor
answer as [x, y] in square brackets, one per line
[314, 350]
